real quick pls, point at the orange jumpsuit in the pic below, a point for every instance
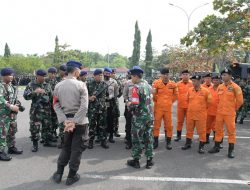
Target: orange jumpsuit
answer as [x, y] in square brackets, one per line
[230, 100]
[206, 86]
[182, 102]
[164, 96]
[212, 110]
[198, 102]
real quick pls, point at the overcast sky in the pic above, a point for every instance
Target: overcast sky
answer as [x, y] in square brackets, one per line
[30, 26]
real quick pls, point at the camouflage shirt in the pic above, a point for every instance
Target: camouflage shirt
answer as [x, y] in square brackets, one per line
[6, 95]
[52, 82]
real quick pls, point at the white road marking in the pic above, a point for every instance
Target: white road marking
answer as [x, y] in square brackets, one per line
[163, 135]
[167, 179]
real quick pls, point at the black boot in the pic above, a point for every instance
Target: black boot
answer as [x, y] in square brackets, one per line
[168, 145]
[214, 136]
[111, 138]
[150, 163]
[201, 148]
[72, 177]
[104, 144]
[117, 134]
[4, 156]
[241, 121]
[178, 137]
[134, 163]
[35, 146]
[14, 150]
[49, 144]
[216, 148]
[57, 176]
[187, 144]
[221, 144]
[207, 142]
[91, 144]
[231, 150]
[156, 142]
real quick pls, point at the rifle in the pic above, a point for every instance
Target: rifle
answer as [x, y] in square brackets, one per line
[96, 94]
[14, 100]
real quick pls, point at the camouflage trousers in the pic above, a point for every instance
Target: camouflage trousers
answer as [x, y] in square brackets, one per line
[242, 112]
[40, 122]
[97, 125]
[8, 129]
[116, 115]
[141, 132]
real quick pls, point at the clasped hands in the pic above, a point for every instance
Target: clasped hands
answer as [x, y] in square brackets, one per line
[69, 126]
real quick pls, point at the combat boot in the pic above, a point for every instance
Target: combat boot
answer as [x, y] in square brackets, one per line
[178, 137]
[35, 146]
[156, 142]
[111, 138]
[14, 150]
[216, 148]
[49, 144]
[241, 121]
[201, 148]
[57, 176]
[187, 144]
[91, 144]
[4, 156]
[207, 137]
[104, 144]
[231, 150]
[134, 163]
[72, 177]
[168, 145]
[221, 144]
[150, 163]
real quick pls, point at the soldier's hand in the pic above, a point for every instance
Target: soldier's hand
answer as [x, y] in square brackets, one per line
[39, 91]
[14, 108]
[92, 98]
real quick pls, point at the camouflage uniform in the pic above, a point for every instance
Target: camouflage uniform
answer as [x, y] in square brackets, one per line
[7, 118]
[244, 108]
[97, 111]
[40, 111]
[142, 122]
[54, 121]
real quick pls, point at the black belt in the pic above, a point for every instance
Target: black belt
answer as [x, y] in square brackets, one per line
[70, 115]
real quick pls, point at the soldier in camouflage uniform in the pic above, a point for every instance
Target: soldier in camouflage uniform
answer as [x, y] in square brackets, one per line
[244, 108]
[97, 111]
[240, 111]
[54, 122]
[83, 76]
[120, 90]
[141, 105]
[40, 112]
[8, 113]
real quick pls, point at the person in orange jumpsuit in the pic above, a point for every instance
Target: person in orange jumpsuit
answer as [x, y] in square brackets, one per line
[207, 80]
[199, 99]
[165, 93]
[182, 104]
[212, 108]
[230, 100]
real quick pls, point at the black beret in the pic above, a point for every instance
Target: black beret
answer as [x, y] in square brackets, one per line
[228, 71]
[136, 70]
[216, 77]
[7, 71]
[41, 72]
[198, 77]
[97, 72]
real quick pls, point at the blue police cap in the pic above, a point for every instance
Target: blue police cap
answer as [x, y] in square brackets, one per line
[41, 72]
[52, 70]
[74, 64]
[198, 77]
[63, 67]
[136, 70]
[7, 71]
[107, 69]
[97, 72]
[82, 73]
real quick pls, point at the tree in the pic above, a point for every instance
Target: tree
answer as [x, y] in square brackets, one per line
[56, 59]
[217, 34]
[149, 56]
[6, 51]
[137, 45]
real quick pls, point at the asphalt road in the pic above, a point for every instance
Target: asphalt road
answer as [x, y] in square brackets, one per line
[107, 169]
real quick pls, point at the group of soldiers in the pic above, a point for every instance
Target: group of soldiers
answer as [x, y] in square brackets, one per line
[205, 102]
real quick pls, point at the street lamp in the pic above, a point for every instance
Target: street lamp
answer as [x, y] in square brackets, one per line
[188, 15]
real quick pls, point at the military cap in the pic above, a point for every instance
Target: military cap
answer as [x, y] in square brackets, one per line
[52, 70]
[7, 71]
[184, 71]
[228, 71]
[208, 75]
[74, 64]
[164, 71]
[97, 72]
[82, 73]
[136, 70]
[198, 77]
[41, 72]
[63, 67]
[216, 77]
[107, 69]
[113, 70]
